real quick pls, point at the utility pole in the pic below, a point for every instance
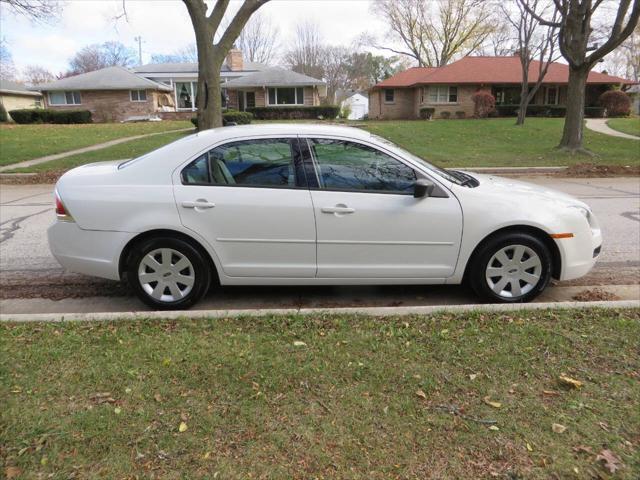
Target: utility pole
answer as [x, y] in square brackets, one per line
[139, 40]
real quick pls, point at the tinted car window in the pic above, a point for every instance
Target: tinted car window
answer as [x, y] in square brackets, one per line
[344, 165]
[265, 163]
[197, 172]
[253, 162]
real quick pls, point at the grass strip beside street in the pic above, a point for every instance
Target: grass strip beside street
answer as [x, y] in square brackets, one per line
[131, 149]
[466, 395]
[26, 142]
[630, 125]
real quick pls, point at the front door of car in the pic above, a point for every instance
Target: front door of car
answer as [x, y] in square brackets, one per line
[250, 200]
[368, 223]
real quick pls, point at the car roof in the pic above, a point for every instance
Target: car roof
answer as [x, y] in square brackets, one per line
[283, 129]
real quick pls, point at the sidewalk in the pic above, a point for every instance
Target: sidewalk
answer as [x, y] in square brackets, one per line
[600, 125]
[91, 148]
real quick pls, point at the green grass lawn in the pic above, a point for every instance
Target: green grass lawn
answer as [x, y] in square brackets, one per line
[499, 142]
[446, 396]
[626, 125]
[131, 149]
[25, 142]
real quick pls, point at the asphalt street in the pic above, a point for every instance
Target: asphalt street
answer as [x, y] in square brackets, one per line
[32, 281]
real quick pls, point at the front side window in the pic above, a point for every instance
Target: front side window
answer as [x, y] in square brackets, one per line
[286, 96]
[185, 95]
[443, 94]
[64, 98]
[258, 163]
[389, 95]
[552, 95]
[138, 95]
[344, 165]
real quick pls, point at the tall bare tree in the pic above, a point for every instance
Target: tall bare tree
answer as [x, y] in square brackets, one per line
[535, 42]
[211, 56]
[97, 56]
[7, 67]
[307, 51]
[186, 54]
[36, 74]
[38, 10]
[259, 39]
[575, 33]
[435, 32]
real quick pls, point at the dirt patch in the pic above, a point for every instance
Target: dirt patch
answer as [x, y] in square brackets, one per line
[595, 294]
[594, 170]
[31, 179]
[60, 286]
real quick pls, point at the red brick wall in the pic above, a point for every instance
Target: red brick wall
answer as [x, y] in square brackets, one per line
[110, 105]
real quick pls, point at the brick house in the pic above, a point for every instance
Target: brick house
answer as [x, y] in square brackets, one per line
[14, 96]
[450, 88]
[168, 90]
[110, 94]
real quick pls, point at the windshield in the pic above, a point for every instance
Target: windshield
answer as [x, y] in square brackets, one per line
[450, 175]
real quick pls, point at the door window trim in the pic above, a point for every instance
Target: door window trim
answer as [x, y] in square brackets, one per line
[297, 158]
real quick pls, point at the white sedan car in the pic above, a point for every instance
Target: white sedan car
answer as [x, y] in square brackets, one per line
[312, 205]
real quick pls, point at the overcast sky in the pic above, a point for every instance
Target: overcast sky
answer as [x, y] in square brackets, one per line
[164, 26]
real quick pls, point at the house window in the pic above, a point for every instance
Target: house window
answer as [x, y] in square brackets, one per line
[64, 98]
[443, 94]
[286, 96]
[138, 95]
[552, 96]
[389, 95]
[186, 95]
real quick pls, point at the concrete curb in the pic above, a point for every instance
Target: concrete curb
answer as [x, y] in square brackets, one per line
[375, 311]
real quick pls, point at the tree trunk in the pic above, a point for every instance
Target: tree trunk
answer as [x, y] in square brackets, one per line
[208, 98]
[524, 102]
[573, 124]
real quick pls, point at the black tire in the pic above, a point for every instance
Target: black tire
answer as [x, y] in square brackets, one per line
[198, 271]
[477, 272]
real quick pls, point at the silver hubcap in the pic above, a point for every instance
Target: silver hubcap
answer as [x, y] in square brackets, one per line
[513, 271]
[166, 275]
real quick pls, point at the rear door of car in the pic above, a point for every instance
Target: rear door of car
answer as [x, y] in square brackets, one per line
[249, 199]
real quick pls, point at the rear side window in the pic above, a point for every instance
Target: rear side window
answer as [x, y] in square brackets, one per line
[259, 163]
[344, 165]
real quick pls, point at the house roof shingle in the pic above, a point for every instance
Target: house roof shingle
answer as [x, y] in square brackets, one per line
[273, 77]
[188, 67]
[489, 70]
[110, 78]
[15, 88]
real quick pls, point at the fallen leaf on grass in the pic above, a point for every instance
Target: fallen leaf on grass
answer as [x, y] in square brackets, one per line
[558, 428]
[473, 376]
[610, 460]
[12, 472]
[550, 393]
[529, 447]
[102, 397]
[117, 410]
[157, 397]
[569, 382]
[421, 394]
[183, 427]
[494, 428]
[583, 449]
[489, 402]
[299, 343]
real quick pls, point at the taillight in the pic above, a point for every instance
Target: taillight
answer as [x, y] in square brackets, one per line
[61, 210]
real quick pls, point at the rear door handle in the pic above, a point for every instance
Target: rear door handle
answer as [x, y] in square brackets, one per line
[338, 209]
[198, 204]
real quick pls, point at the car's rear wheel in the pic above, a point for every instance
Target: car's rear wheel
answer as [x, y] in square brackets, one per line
[513, 267]
[168, 273]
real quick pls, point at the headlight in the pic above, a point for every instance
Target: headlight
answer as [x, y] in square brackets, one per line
[584, 211]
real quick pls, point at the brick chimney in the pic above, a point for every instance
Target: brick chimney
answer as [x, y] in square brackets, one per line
[234, 60]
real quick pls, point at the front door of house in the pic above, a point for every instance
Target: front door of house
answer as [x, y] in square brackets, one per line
[241, 103]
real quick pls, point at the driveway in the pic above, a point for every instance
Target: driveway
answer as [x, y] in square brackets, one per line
[28, 271]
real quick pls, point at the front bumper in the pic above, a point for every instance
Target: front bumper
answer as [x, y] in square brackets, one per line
[90, 252]
[580, 253]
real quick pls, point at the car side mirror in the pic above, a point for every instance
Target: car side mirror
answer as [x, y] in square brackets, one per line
[423, 188]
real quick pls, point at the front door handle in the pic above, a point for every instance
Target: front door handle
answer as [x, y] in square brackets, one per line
[198, 204]
[339, 209]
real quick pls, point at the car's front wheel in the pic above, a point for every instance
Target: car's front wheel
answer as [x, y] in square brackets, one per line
[513, 267]
[168, 273]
